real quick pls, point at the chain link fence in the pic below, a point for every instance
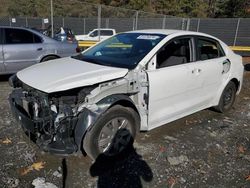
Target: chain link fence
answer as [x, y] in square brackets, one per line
[233, 31]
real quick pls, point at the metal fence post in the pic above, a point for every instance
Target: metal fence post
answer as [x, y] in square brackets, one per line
[198, 25]
[107, 23]
[84, 22]
[164, 22]
[236, 32]
[52, 19]
[188, 24]
[99, 21]
[133, 24]
[63, 22]
[10, 21]
[182, 23]
[26, 22]
[136, 19]
[43, 25]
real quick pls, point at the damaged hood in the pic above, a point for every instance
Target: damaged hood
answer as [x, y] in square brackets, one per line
[67, 73]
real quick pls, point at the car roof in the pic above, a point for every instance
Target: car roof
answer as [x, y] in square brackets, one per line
[104, 29]
[13, 27]
[45, 38]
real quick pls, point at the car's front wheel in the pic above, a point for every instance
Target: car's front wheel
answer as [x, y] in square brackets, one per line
[112, 132]
[227, 98]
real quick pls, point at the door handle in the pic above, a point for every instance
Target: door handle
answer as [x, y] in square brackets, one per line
[226, 66]
[39, 49]
[196, 71]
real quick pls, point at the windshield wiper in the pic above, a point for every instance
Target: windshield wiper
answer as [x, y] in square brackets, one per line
[89, 60]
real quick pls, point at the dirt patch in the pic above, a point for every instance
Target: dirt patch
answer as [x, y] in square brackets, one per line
[246, 59]
[206, 149]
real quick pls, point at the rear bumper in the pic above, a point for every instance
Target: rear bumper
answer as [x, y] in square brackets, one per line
[42, 131]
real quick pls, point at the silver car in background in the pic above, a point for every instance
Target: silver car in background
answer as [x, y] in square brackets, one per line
[22, 47]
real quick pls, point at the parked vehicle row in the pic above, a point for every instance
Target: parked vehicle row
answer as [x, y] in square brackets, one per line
[23, 47]
[133, 81]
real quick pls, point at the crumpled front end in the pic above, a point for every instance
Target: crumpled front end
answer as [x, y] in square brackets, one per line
[48, 120]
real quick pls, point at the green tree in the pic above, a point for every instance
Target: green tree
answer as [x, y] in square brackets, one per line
[232, 8]
[88, 8]
[33, 8]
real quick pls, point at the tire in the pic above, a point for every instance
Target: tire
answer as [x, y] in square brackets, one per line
[227, 98]
[113, 131]
[49, 58]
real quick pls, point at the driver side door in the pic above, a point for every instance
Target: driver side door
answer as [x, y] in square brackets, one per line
[172, 87]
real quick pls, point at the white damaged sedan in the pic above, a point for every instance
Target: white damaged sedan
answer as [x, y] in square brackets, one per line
[97, 101]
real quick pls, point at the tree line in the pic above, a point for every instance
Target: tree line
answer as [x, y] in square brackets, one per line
[88, 8]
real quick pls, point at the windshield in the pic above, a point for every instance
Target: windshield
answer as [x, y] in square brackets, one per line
[124, 50]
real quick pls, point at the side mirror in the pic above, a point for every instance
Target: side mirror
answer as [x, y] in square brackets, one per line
[152, 63]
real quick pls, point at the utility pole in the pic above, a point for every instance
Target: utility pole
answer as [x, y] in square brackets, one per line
[99, 21]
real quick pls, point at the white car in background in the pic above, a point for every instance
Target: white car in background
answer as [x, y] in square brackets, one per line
[139, 80]
[93, 35]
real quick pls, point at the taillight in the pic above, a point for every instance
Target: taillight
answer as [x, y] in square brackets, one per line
[78, 50]
[69, 38]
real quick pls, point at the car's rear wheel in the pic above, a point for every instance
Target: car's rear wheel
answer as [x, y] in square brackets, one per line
[112, 132]
[227, 98]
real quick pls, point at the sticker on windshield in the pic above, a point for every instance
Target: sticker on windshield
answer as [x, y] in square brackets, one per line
[148, 37]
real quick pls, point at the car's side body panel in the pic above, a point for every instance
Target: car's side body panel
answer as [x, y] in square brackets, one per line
[20, 56]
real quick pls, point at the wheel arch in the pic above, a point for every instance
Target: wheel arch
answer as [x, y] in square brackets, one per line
[87, 117]
[126, 103]
[49, 55]
[236, 82]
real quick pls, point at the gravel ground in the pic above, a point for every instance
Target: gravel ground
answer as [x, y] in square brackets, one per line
[206, 149]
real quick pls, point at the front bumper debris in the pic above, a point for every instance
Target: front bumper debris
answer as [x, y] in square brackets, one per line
[38, 122]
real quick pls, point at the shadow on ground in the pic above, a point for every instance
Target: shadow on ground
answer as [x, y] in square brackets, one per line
[247, 67]
[124, 170]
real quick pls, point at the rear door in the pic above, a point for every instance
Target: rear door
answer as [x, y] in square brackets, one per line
[21, 49]
[209, 67]
[1, 52]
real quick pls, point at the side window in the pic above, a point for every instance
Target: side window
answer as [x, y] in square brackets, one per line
[18, 36]
[106, 32]
[208, 49]
[176, 52]
[94, 33]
